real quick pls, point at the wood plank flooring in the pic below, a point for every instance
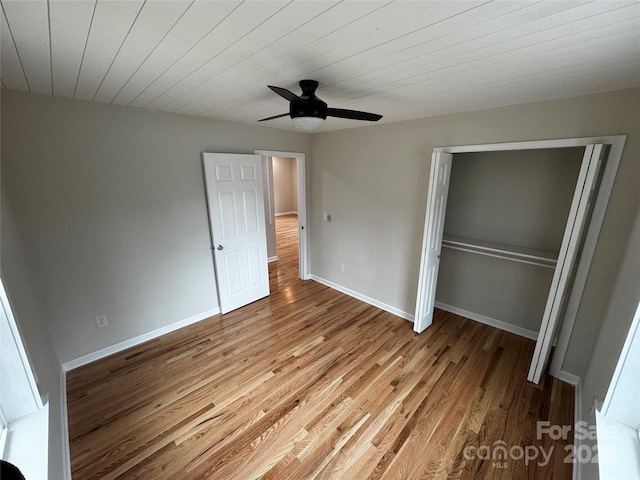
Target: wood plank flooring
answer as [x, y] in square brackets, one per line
[312, 384]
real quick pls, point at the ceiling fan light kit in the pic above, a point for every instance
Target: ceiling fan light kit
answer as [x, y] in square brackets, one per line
[308, 112]
[307, 123]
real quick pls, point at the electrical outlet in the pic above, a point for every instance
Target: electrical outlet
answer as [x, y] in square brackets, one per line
[341, 268]
[101, 321]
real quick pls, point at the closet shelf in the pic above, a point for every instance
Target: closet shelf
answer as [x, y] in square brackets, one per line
[531, 256]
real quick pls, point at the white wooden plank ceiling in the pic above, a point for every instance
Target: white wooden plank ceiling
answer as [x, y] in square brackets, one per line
[403, 60]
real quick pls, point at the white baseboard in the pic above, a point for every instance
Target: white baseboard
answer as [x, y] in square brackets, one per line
[576, 381]
[285, 213]
[132, 342]
[272, 259]
[523, 332]
[363, 298]
[569, 378]
[577, 417]
[66, 451]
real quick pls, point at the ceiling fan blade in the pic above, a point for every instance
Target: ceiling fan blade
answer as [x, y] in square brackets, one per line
[284, 93]
[274, 117]
[352, 114]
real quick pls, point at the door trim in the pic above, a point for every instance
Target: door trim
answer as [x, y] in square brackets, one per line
[616, 145]
[301, 182]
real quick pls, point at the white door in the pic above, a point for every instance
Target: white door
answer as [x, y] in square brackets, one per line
[432, 240]
[236, 219]
[573, 234]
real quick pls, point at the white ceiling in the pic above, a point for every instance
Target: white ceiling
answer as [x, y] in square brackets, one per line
[404, 60]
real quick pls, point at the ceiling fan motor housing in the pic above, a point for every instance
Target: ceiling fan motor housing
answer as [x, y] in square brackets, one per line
[311, 106]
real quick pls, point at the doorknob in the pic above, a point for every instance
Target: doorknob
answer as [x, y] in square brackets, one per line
[220, 247]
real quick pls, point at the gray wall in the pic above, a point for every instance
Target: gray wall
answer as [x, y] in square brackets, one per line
[374, 182]
[518, 198]
[35, 334]
[510, 292]
[110, 204]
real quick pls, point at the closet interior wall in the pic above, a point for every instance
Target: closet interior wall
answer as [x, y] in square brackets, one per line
[505, 219]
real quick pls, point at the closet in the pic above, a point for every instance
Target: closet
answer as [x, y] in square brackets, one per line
[506, 215]
[510, 231]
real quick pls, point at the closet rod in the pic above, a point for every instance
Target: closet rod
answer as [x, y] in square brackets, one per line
[529, 256]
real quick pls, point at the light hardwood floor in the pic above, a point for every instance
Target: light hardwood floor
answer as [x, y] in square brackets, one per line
[312, 384]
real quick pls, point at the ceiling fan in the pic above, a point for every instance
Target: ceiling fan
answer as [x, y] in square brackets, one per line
[308, 112]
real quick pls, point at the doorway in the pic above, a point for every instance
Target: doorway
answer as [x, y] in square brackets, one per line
[285, 211]
[289, 221]
[585, 220]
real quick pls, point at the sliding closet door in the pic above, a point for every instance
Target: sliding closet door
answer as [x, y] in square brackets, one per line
[432, 240]
[561, 283]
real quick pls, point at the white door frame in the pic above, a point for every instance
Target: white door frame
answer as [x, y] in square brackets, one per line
[301, 182]
[616, 145]
[27, 390]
